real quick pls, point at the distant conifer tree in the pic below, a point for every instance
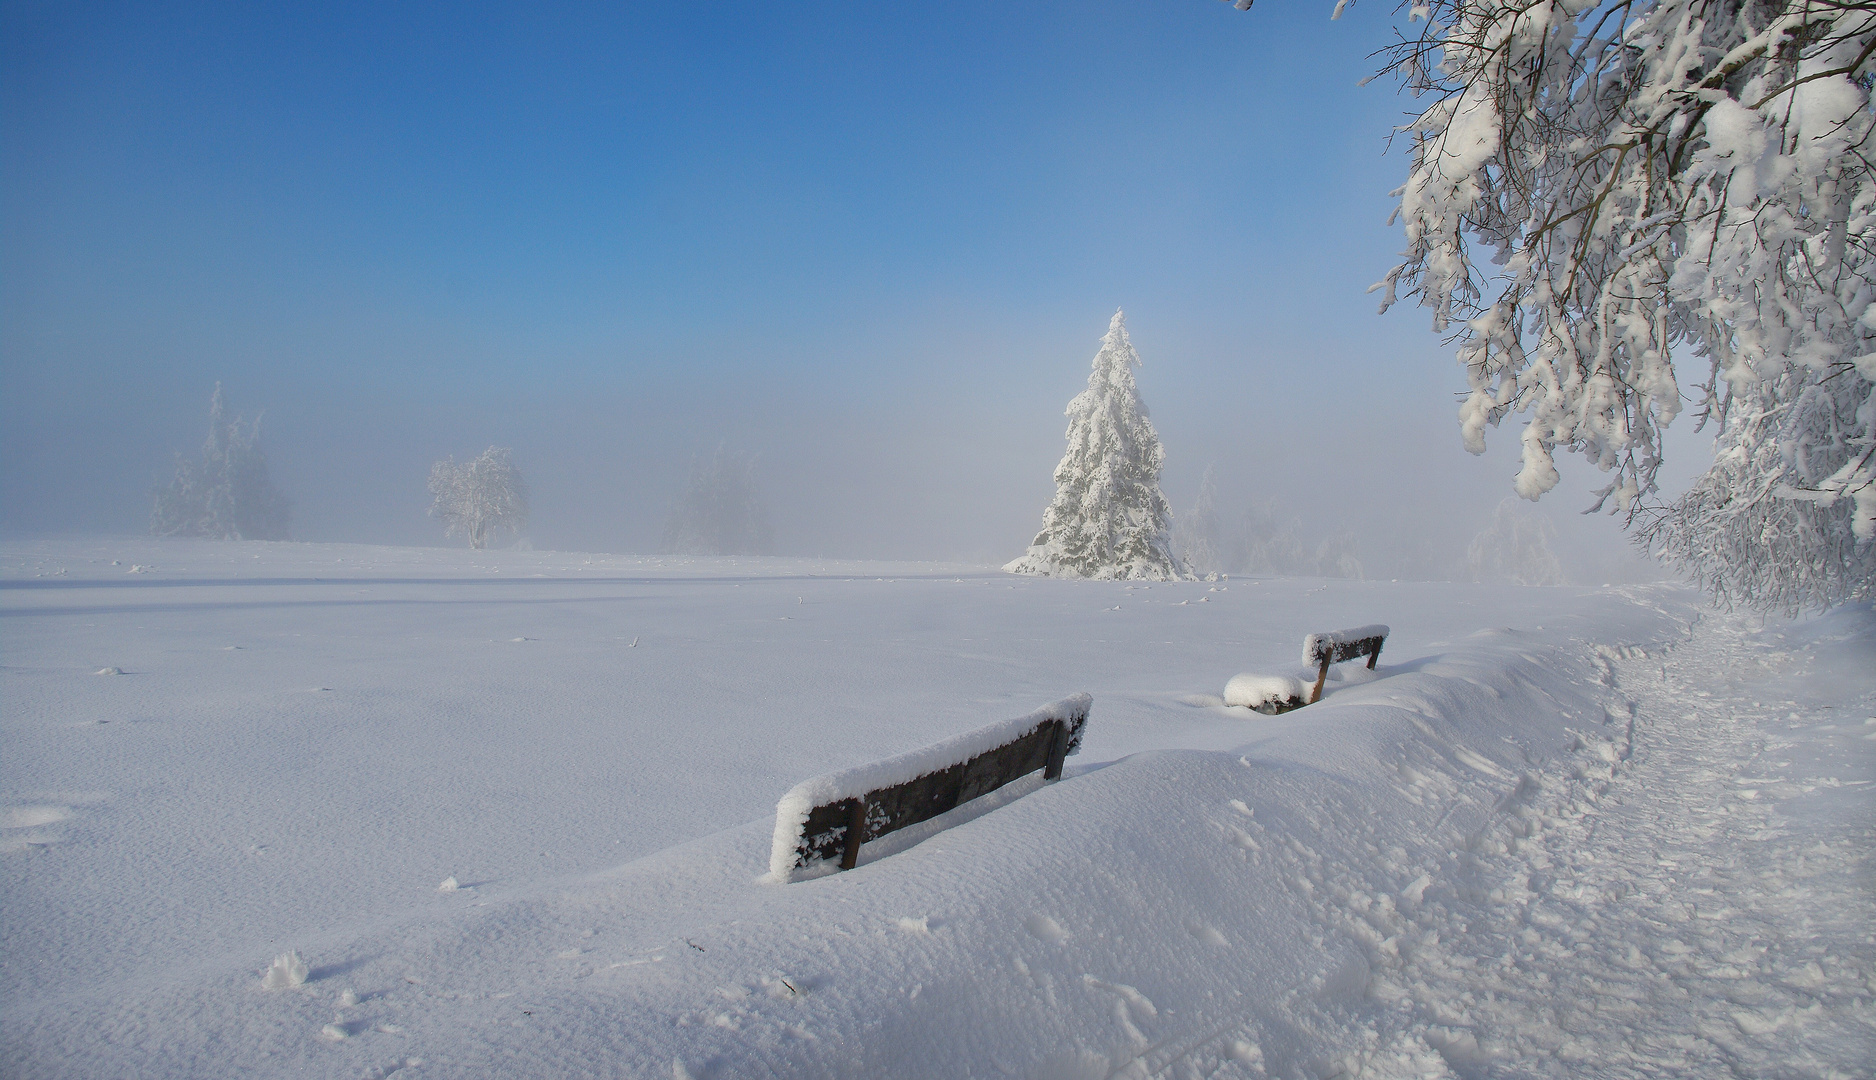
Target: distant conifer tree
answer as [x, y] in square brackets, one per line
[721, 512]
[230, 497]
[1108, 518]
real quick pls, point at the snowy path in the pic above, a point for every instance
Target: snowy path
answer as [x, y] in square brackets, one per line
[1700, 906]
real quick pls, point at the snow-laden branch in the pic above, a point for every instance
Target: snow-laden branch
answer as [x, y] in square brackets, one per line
[1654, 179]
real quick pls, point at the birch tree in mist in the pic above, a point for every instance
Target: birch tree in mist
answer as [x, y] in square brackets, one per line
[1598, 188]
[480, 498]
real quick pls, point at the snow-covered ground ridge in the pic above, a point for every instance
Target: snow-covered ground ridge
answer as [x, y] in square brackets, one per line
[1625, 838]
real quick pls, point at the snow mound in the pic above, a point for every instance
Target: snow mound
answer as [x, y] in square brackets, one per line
[287, 971]
[1251, 690]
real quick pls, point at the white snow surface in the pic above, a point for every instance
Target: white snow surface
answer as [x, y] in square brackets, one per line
[792, 810]
[1558, 832]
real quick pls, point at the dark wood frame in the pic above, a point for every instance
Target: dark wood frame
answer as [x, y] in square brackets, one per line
[839, 828]
[1334, 652]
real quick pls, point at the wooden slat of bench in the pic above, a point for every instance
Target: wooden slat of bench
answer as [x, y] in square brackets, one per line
[1338, 651]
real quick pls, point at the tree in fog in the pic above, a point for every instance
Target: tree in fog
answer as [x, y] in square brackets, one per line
[480, 498]
[1196, 533]
[1270, 542]
[1514, 549]
[229, 496]
[1108, 518]
[1649, 180]
[721, 511]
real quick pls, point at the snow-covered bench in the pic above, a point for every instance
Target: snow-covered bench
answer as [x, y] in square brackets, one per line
[1276, 694]
[1333, 648]
[831, 815]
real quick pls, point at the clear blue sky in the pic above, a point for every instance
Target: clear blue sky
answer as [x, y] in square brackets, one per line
[876, 243]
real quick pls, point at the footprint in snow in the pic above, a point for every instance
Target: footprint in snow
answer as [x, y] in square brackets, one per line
[31, 817]
[1208, 934]
[1045, 928]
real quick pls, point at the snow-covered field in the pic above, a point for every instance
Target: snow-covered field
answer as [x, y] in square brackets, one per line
[1564, 831]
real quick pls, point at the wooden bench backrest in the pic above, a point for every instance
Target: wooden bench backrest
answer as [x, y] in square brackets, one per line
[834, 827]
[1337, 646]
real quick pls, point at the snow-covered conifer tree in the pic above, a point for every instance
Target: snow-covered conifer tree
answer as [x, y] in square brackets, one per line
[1108, 518]
[230, 497]
[1196, 533]
[1514, 549]
[721, 511]
[479, 498]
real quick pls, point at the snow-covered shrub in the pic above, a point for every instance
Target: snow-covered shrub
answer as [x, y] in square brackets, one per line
[721, 511]
[229, 497]
[1514, 549]
[1108, 518]
[479, 498]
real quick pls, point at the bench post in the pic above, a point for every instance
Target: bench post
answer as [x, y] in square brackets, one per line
[856, 834]
[1058, 751]
[1376, 654]
[1322, 676]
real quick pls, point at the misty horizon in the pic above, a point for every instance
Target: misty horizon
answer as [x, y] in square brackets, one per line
[885, 286]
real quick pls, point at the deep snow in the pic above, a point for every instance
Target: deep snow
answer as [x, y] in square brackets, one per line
[1558, 831]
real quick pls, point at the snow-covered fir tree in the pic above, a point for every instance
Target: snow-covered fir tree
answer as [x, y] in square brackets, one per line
[480, 498]
[1108, 518]
[229, 497]
[721, 511]
[1514, 549]
[1196, 533]
[1653, 179]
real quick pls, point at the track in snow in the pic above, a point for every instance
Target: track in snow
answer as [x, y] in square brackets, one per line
[1694, 899]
